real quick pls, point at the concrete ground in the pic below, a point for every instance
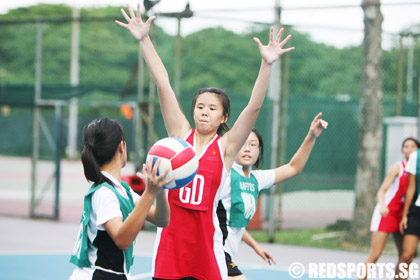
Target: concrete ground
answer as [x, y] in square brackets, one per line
[303, 209]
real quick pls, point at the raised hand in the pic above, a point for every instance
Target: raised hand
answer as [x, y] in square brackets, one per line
[135, 24]
[271, 52]
[317, 126]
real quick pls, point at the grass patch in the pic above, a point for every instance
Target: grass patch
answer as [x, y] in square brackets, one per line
[305, 237]
[322, 238]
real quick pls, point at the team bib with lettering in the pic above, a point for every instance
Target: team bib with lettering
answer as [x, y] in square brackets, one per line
[244, 195]
[196, 195]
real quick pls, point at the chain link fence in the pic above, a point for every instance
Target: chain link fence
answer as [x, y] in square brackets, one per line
[320, 79]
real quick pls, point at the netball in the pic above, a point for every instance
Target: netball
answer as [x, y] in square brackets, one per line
[179, 157]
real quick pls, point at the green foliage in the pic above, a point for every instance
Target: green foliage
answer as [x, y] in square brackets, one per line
[210, 57]
[219, 58]
[320, 238]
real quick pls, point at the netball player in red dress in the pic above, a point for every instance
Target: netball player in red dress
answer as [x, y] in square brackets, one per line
[388, 211]
[191, 247]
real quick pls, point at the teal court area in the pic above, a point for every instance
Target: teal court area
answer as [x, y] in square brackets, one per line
[57, 266]
[40, 249]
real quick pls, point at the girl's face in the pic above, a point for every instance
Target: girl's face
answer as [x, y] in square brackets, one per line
[249, 152]
[208, 112]
[408, 147]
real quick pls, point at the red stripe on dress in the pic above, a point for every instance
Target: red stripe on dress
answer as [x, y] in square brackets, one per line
[182, 158]
[161, 151]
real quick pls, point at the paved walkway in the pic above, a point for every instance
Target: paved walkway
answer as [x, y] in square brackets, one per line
[303, 209]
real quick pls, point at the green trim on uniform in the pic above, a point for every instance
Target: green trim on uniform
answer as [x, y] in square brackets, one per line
[244, 199]
[80, 256]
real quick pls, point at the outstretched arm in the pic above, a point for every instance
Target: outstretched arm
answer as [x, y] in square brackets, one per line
[236, 137]
[298, 161]
[248, 239]
[175, 122]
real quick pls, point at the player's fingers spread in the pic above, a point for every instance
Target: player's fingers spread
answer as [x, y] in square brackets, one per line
[164, 173]
[130, 11]
[120, 23]
[167, 181]
[156, 166]
[148, 166]
[258, 42]
[271, 34]
[138, 11]
[150, 19]
[127, 18]
[288, 50]
[279, 34]
[284, 42]
[141, 175]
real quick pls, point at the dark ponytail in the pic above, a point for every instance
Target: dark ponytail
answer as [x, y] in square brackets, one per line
[101, 138]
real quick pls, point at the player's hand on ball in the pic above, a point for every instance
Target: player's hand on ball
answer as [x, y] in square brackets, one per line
[154, 182]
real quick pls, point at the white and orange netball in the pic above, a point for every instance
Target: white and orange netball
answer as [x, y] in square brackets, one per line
[178, 157]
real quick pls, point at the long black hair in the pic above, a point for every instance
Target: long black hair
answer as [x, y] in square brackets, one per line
[224, 99]
[101, 138]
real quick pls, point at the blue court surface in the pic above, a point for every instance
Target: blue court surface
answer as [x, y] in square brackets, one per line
[57, 266]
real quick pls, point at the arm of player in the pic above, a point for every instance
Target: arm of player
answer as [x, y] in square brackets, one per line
[176, 123]
[236, 137]
[125, 232]
[159, 214]
[300, 158]
[389, 178]
[248, 239]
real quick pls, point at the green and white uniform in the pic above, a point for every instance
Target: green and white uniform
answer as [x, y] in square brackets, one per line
[95, 252]
[238, 203]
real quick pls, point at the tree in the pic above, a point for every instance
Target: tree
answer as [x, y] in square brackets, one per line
[370, 125]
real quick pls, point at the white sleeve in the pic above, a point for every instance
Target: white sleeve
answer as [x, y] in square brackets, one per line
[411, 166]
[106, 206]
[265, 178]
